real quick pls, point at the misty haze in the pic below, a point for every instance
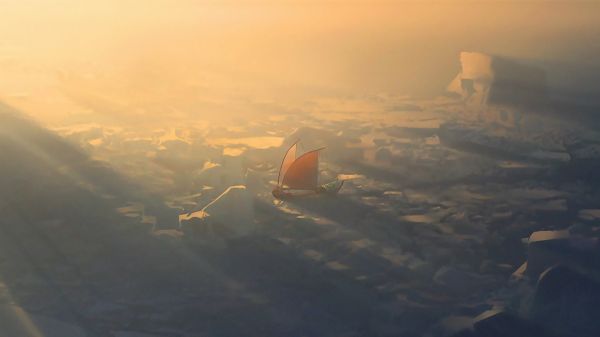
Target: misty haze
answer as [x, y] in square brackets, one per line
[299, 168]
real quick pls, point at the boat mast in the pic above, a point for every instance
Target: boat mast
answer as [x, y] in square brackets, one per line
[283, 160]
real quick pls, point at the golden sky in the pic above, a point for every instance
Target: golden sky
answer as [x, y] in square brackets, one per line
[120, 58]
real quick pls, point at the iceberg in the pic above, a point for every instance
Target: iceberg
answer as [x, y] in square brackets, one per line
[492, 80]
[231, 214]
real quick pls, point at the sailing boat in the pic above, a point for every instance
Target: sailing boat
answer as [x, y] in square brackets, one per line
[299, 175]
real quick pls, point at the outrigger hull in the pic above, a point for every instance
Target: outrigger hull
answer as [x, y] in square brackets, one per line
[331, 188]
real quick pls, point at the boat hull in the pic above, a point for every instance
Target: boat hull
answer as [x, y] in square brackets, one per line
[331, 188]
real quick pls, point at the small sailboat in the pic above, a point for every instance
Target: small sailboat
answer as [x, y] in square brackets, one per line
[299, 175]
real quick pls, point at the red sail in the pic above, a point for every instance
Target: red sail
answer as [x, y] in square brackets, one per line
[303, 173]
[288, 160]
